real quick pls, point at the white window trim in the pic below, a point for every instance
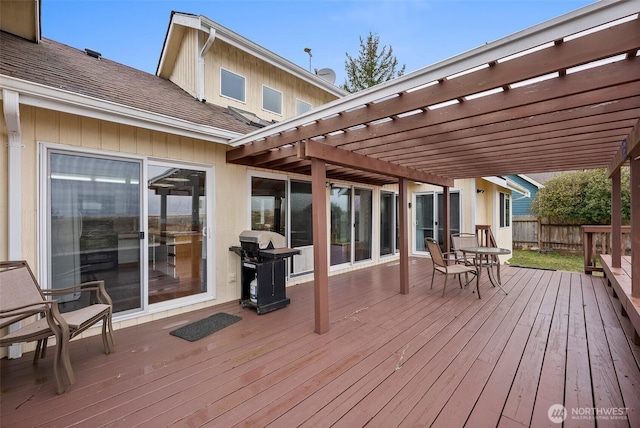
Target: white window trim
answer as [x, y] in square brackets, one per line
[244, 84]
[501, 209]
[281, 100]
[305, 102]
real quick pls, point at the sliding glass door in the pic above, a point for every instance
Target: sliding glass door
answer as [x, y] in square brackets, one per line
[351, 224]
[428, 217]
[362, 223]
[340, 239]
[177, 219]
[424, 220]
[94, 226]
[301, 226]
[95, 230]
[388, 223]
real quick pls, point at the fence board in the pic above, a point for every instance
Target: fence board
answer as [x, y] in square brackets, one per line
[528, 232]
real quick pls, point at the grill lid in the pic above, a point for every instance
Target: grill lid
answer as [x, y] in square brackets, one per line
[263, 238]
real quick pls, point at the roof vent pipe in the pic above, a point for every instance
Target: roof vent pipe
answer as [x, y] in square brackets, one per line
[92, 53]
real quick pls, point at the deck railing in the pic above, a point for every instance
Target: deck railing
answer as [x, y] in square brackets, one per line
[596, 241]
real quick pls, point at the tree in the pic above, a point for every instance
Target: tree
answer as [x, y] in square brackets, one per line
[372, 66]
[583, 197]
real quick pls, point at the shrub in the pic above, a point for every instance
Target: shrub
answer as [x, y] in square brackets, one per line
[582, 197]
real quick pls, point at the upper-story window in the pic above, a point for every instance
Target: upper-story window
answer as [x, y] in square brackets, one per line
[232, 85]
[271, 100]
[302, 106]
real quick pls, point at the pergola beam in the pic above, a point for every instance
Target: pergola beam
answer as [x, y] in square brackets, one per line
[332, 155]
[615, 40]
[628, 147]
[594, 88]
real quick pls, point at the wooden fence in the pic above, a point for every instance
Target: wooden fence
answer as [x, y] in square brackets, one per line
[528, 232]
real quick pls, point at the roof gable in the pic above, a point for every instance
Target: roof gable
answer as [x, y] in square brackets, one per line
[214, 31]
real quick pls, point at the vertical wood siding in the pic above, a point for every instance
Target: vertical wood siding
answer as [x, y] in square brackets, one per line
[185, 69]
[257, 73]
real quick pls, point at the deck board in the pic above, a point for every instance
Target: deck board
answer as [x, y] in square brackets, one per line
[521, 399]
[388, 360]
[578, 385]
[489, 406]
[552, 376]
[606, 387]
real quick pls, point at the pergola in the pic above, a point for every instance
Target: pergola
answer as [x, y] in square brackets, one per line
[563, 95]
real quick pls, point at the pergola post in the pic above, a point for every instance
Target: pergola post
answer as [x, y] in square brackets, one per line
[616, 220]
[404, 235]
[446, 224]
[320, 245]
[635, 226]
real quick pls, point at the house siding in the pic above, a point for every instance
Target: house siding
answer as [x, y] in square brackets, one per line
[521, 205]
[42, 126]
[257, 73]
[185, 67]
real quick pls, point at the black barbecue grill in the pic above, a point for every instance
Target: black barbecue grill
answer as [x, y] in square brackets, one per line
[263, 255]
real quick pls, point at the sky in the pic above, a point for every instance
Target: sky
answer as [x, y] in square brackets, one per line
[420, 32]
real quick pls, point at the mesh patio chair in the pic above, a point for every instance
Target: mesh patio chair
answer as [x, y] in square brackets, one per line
[21, 298]
[464, 240]
[441, 264]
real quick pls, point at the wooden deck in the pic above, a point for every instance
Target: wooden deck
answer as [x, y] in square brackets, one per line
[388, 360]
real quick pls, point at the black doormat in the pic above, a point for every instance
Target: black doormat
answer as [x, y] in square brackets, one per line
[199, 329]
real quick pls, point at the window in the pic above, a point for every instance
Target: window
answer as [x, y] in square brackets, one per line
[505, 210]
[268, 205]
[232, 85]
[271, 100]
[363, 218]
[302, 107]
[270, 210]
[301, 214]
[388, 223]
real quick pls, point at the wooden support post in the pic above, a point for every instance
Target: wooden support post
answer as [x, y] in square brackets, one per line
[616, 220]
[404, 236]
[320, 245]
[446, 226]
[587, 244]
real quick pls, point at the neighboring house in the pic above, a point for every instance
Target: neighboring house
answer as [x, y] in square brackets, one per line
[120, 175]
[522, 201]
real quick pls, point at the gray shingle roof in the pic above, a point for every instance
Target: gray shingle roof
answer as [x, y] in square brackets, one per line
[62, 67]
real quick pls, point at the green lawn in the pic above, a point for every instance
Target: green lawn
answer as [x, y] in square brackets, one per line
[551, 260]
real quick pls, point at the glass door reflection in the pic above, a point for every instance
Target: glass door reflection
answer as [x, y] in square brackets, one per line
[94, 227]
[176, 219]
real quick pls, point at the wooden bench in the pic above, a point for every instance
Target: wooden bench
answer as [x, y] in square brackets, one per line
[620, 281]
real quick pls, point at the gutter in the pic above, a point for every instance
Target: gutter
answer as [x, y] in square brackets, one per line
[200, 67]
[42, 96]
[508, 184]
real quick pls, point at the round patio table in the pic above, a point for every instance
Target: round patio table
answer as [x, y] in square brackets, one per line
[484, 259]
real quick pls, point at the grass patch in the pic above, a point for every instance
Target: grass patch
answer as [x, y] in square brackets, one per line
[551, 260]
